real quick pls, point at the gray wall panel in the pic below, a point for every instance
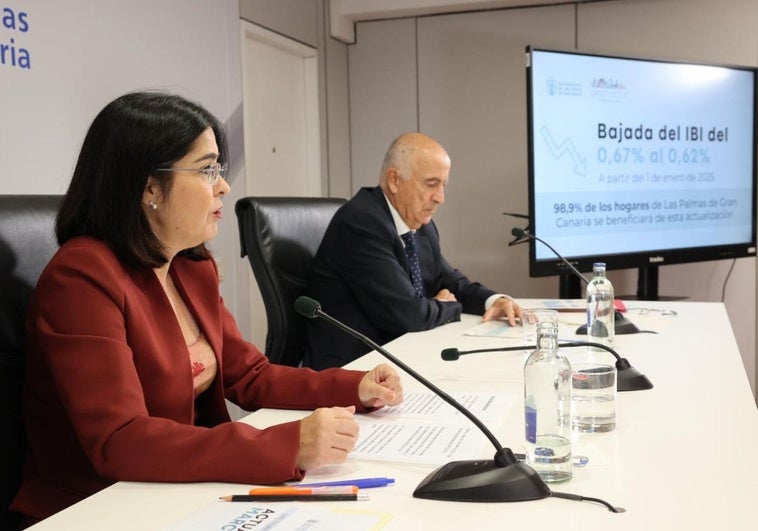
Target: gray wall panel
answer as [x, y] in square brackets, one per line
[382, 70]
[472, 98]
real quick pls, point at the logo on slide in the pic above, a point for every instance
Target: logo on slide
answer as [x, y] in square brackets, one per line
[608, 89]
[607, 83]
[552, 87]
[562, 88]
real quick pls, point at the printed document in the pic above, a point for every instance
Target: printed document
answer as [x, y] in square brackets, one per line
[427, 430]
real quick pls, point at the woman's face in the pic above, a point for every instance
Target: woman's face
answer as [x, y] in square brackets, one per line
[189, 214]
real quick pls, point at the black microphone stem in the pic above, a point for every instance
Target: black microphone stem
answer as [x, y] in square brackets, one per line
[622, 325]
[627, 377]
[567, 344]
[504, 456]
[523, 233]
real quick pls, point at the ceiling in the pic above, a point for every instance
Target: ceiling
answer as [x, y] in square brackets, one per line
[343, 14]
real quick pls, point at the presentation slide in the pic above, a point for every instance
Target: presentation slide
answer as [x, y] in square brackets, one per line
[633, 155]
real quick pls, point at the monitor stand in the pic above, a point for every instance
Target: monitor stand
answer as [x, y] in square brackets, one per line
[569, 287]
[647, 287]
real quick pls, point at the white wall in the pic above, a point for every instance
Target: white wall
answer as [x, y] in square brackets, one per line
[461, 78]
[84, 54]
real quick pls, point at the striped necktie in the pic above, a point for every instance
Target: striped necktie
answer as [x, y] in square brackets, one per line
[413, 263]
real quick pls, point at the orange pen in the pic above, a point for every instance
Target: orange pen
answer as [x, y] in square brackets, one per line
[302, 491]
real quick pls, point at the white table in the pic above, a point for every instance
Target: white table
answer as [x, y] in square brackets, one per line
[684, 455]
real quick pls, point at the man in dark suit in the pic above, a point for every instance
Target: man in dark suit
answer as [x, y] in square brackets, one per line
[363, 274]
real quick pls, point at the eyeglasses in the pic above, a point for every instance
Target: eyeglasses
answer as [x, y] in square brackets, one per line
[213, 173]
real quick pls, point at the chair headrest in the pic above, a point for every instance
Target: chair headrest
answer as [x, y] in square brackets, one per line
[27, 242]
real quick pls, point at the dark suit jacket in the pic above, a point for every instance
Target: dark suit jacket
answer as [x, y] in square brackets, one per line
[361, 277]
[108, 388]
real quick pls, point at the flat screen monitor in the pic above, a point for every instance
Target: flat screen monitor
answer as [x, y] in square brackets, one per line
[638, 163]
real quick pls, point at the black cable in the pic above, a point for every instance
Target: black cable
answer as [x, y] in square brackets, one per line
[729, 273]
[577, 497]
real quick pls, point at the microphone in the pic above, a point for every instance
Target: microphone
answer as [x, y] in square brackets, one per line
[621, 324]
[502, 479]
[521, 233]
[627, 377]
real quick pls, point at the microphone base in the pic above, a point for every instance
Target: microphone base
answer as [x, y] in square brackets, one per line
[482, 481]
[630, 379]
[621, 326]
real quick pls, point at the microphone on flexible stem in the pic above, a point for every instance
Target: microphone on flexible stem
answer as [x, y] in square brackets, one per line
[627, 377]
[621, 325]
[502, 479]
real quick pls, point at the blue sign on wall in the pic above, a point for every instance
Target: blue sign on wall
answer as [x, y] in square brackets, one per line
[15, 25]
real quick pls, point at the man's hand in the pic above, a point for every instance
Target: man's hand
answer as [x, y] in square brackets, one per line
[503, 307]
[380, 386]
[445, 296]
[326, 437]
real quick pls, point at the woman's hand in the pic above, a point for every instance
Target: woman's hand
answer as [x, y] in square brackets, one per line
[326, 437]
[328, 434]
[380, 387]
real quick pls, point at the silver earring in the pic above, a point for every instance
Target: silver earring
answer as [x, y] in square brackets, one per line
[152, 205]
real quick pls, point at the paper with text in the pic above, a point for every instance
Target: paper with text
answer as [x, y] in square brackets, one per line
[414, 442]
[427, 405]
[496, 328]
[427, 430]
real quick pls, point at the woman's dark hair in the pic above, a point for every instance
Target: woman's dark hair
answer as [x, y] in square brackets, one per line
[128, 140]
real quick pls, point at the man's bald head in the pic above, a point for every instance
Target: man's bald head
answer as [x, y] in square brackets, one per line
[414, 174]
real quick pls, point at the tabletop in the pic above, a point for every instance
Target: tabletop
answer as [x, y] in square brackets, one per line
[683, 455]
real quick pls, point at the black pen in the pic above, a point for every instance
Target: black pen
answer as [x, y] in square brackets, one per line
[296, 497]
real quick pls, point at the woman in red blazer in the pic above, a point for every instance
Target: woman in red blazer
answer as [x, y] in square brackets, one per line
[130, 349]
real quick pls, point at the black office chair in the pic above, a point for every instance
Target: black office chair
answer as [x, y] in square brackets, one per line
[280, 236]
[27, 242]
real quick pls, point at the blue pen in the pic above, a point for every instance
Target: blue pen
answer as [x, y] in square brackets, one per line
[364, 483]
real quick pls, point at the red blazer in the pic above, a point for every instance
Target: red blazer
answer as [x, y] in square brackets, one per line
[108, 386]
